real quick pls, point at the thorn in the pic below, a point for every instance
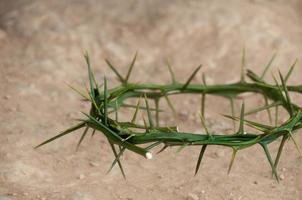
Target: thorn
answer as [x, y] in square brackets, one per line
[201, 153]
[232, 160]
[203, 123]
[171, 106]
[117, 159]
[290, 71]
[295, 142]
[268, 65]
[82, 138]
[130, 68]
[241, 125]
[269, 158]
[191, 77]
[267, 109]
[171, 72]
[121, 79]
[149, 113]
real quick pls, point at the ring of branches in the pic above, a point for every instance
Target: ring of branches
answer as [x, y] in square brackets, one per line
[141, 139]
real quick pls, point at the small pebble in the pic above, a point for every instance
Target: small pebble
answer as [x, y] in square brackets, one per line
[203, 192]
[192, 196]
[219, 153]
[281, 177]
[25, 193]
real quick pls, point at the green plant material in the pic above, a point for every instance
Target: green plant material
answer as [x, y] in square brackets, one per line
[132, 136]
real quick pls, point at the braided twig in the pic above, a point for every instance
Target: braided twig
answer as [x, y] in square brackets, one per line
[130, 135]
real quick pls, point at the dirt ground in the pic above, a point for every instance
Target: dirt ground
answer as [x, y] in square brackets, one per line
[41, 49]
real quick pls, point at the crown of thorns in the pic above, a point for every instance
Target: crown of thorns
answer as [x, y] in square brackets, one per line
[142, 138]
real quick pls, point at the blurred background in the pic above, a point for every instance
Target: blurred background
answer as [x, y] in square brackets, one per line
[41, 49]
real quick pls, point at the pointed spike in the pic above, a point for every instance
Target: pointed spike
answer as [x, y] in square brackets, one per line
[90, 75]
[162, 149]
[69, 130]
[268, 65]
[145, 124]
[274, 104]
[295, 143]
[203, 123]
[258, 126]
[171, 72]
[290, 71]
[284, 138]
[171, 106]
[105, 101]
[191, 77]
[269, 158]
[131, 67]
[232, 160]
[121, 79]
[79, 92]
[241, 125]
[267, 109]
[201, 153]
[242, 78]
[93, 132]
[117, 159]
[136, 110]
[82, 138]
[149, 113]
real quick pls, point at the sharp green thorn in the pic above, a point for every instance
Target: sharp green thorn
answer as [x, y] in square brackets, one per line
[241, 125]
[268, 65]
[82, 138]
[269, 158]
[149, 113]
[121, 79]
[117, 159]
[130, 68]
[203, 123]
[232, 160]
[171, 106]
[295, 143]
[171, 72]
[162, 149]
[67, 131]
[105, 101]
[191, 77]
[267, 109]
[284, 138]
[290, 71]
[201, 153]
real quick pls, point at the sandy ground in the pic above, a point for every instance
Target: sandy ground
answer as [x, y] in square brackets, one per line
[41, 49]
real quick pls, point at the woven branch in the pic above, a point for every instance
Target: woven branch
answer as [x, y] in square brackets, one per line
[126, 135]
